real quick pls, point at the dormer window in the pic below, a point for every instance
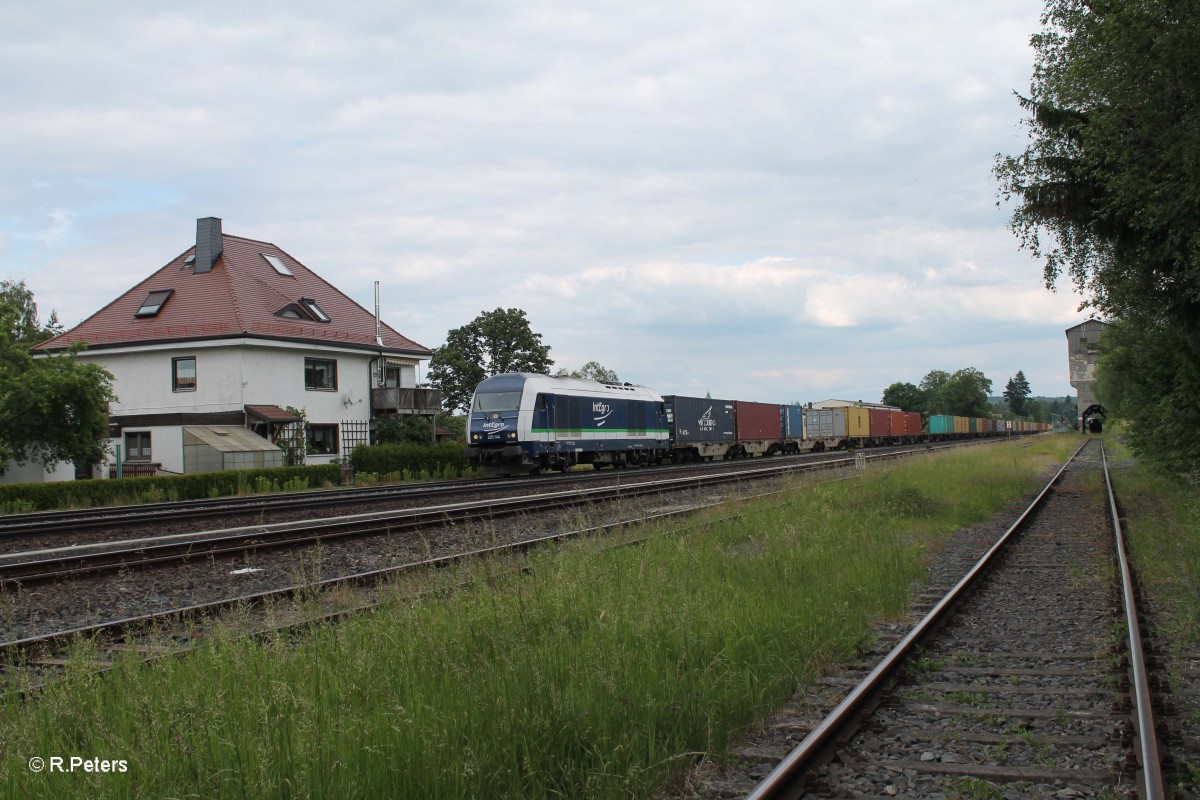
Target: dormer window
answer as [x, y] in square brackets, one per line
[278, 265]
[305, 309]
[154, 303]
[311, 306]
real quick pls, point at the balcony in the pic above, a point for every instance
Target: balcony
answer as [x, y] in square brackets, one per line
[391, 400]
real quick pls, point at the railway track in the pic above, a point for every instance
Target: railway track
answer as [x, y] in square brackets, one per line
[16, 527]
[28, 663]
[1026, 679]
[28, 568]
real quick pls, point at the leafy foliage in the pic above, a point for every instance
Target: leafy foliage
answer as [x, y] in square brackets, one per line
[905, 396]
[1108, 193]
[1146, 370]
[963, 393]
[495, 342]
[52, 409]
[21, 315]
[124, 491]
[592, 370]
[382, 459]
[406, 429]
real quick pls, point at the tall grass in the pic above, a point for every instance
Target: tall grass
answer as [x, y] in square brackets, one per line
[1163, 529]
[587, 671]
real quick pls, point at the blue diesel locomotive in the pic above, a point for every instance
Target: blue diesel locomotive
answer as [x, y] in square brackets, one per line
[524, 423]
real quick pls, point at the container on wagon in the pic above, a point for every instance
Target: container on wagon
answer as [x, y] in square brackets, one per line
[699, 419]
[941, 424]
[825, 423]
[792, 422]
[896, 423]
[881, 423]
[756, 421]
[961, 425]
[912, 423]
[858, 422]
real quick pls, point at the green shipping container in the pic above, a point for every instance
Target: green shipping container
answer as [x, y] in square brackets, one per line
[941, 423]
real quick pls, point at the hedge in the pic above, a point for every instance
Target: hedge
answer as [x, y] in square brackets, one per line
[412, 460]
[159, 488]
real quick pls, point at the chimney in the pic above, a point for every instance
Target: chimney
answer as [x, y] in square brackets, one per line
[208, 243]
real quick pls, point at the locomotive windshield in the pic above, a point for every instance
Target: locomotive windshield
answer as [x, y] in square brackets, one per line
[497, 401]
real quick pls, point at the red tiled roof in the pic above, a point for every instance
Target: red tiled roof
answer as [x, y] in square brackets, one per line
[239, 297]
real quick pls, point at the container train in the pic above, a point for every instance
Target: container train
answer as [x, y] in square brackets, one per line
[525, 423]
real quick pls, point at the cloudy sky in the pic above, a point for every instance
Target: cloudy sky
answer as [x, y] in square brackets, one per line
[769, 201]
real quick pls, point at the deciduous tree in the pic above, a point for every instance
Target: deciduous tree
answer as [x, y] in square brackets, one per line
[52, 409]
[592, 370]
[905, 395]
[495, 342]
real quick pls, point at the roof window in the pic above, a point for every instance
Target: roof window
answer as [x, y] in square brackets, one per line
[279, 266]
[154, 303]
[314, 309]
[190, 260]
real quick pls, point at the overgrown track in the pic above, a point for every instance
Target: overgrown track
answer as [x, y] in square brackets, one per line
[1025, 680]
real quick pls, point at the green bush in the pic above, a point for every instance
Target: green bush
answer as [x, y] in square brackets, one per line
[160, 488]
[443, 460]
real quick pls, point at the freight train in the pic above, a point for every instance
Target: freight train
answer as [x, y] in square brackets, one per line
[525, 423]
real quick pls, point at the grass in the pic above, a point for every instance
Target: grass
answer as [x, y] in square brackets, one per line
[1163, 529]
[589, 671]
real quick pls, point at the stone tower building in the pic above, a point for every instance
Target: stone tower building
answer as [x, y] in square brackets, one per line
[1083, 353]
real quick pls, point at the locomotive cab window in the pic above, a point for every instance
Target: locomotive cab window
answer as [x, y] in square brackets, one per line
[497, 401]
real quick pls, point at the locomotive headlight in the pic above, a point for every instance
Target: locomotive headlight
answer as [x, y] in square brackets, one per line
[512, 434]
[474, 437]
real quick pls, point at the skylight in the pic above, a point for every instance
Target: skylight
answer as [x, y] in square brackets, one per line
[315, 309]
[190, 260]
[277, 264]
[154, 303]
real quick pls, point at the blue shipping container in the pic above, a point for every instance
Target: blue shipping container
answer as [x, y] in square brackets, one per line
[793, 422]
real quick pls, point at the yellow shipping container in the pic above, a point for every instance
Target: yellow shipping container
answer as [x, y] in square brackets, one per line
[962, 425]
[858, 422]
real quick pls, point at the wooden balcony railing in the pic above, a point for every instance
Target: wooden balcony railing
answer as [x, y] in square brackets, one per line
[406, 401]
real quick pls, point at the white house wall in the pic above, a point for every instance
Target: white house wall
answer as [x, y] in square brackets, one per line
[228, 378]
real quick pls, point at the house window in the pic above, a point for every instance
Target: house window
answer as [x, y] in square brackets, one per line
[137, 446]
[277, 265]
[323, 439]
[153, 303]
[320, 373]
[314, 309]
[183, 374]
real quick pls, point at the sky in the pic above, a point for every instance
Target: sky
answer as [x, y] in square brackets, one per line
[769, 201]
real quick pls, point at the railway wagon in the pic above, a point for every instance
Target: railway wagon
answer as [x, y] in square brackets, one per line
[701, 428]
[525, 423]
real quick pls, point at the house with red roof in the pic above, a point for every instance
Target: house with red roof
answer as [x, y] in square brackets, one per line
[222, 340]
